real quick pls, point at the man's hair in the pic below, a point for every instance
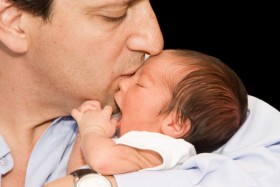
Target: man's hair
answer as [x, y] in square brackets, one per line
[41, 8]
[211, 95]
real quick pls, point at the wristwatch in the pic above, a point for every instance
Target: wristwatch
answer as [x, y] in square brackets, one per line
[89, 178]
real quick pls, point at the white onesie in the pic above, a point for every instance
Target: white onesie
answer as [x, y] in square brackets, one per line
[173, 151]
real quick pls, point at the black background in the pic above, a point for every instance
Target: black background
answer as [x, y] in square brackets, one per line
[243, 35]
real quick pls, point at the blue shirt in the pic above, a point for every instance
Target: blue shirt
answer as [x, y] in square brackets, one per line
[50, 156]
[251, 158]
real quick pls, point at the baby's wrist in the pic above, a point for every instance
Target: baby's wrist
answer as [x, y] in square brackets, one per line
[93, 130]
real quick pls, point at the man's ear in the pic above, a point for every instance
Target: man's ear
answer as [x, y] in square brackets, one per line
[172, 126]
[11, 35]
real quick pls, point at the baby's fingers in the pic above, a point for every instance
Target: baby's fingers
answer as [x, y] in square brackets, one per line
[76, 114]
[108, 110]
[114, 122]
[89, 105]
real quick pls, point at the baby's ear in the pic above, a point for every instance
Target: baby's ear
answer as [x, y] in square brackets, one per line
[11, 35]
[172, 126]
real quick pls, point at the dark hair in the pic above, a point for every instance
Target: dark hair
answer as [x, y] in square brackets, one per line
[40, 8]
[211, 96]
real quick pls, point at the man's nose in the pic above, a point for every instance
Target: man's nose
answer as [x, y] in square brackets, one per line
[147, 36]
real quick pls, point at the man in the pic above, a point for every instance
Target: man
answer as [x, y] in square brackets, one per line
[55, 54]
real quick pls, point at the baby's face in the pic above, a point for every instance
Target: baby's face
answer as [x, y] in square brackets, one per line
[144, 95]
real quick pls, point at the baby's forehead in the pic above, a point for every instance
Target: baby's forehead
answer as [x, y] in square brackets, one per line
[168, 66]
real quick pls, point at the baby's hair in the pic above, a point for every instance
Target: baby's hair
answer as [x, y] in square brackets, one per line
[211, 95]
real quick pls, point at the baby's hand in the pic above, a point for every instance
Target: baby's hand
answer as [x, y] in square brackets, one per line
[91, 118]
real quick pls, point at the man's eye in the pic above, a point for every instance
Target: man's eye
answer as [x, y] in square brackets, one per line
[114, 19]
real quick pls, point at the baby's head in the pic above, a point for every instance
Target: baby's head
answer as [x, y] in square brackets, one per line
[184, 94]
[209, 94]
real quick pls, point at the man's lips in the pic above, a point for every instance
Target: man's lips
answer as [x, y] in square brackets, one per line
[129, 73]
[132, 69]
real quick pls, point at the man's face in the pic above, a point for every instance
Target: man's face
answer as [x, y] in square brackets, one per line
[88, 46]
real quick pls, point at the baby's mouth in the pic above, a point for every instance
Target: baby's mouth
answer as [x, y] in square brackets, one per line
[118, 117]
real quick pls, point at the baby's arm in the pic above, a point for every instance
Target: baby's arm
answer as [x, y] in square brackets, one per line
[101, 152]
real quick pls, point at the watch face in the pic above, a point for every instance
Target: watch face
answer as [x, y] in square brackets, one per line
[93, 180]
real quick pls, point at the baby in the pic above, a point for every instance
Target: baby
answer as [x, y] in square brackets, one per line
[179, 103]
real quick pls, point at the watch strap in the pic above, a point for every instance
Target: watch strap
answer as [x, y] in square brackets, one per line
[79, 173]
